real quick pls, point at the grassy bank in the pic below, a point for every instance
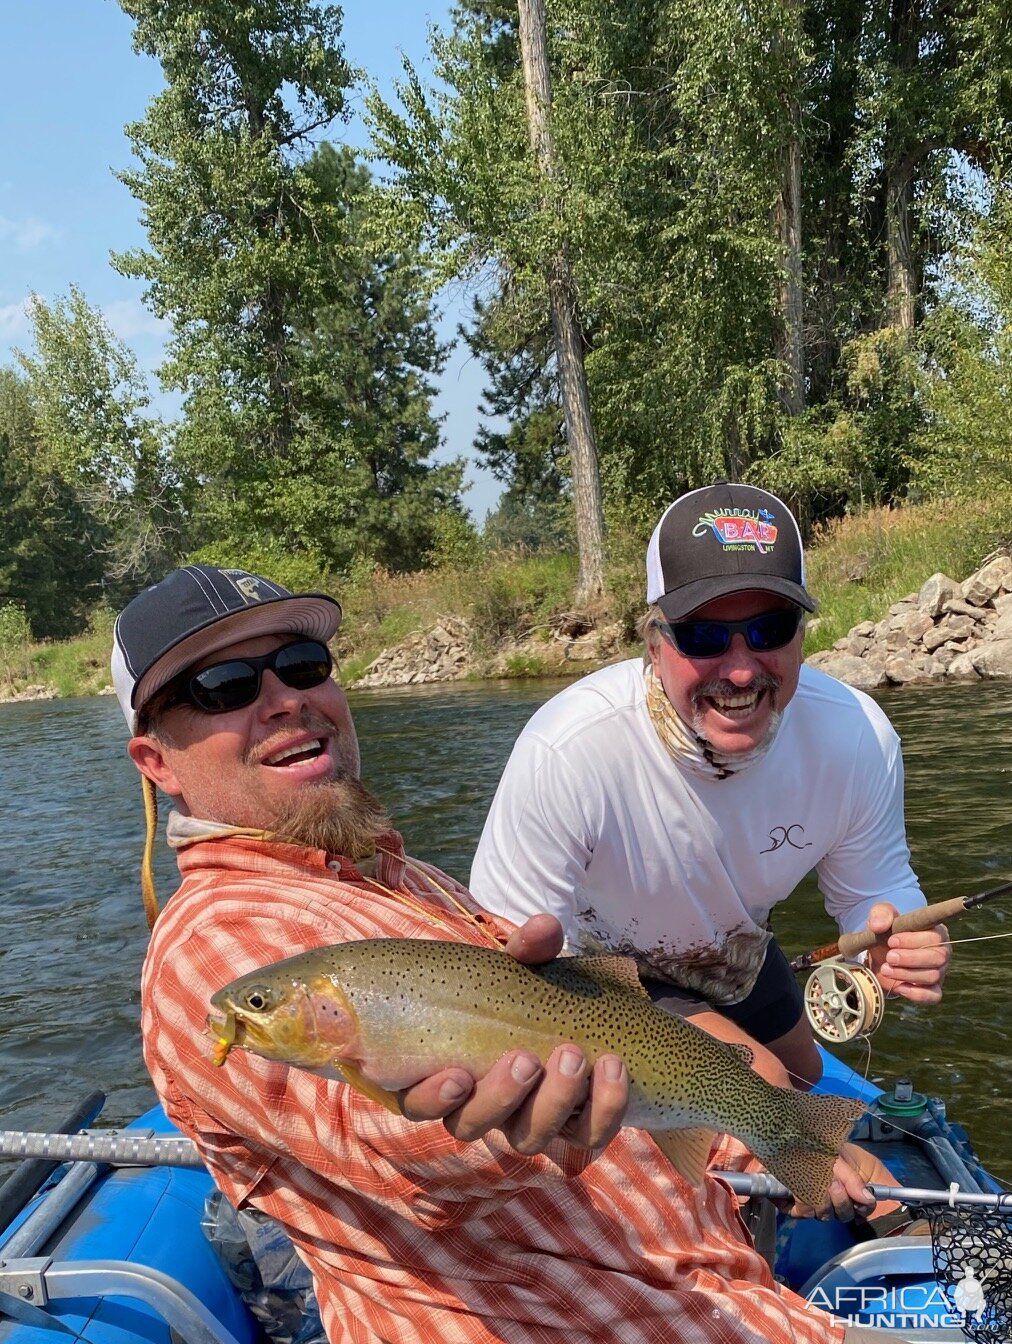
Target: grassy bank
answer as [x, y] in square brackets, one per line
[856, 568]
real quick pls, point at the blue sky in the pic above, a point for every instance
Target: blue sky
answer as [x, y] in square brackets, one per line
[71, 81]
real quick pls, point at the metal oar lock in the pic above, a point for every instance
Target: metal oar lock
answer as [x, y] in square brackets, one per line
[843, 998]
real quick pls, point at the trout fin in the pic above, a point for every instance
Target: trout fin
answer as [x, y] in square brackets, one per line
[355, 1078]
[814, 1130]
[742, 1053]
[688, 1150]
[610, 970]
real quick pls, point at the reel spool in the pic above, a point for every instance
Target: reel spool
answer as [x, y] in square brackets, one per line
[843, 1000]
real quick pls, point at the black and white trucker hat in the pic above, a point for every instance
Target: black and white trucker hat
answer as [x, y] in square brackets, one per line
[724, 538]
[196, 611]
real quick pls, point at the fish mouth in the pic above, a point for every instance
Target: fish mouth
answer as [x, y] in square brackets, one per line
[226, 1032]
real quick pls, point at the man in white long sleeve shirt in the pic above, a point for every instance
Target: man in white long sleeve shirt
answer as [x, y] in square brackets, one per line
[664, 807]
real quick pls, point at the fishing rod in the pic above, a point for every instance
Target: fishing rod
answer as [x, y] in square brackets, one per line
[109, 1146]
[915, 921]
[762, 1185]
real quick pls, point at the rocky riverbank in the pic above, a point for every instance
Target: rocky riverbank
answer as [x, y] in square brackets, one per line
[948, 629]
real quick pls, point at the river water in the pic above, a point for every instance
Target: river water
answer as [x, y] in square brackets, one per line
[74, 932]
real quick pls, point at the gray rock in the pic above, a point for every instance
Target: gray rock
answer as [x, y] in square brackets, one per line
[988, 581]
[994, 659]
[903, 669]
[857, 672]
[962, 666]
[958, 607]
[935, 592]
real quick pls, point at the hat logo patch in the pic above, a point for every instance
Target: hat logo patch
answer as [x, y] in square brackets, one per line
[739, 529]
[249, 587]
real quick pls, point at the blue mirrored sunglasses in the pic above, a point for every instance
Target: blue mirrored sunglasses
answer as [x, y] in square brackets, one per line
[709, 639]
[236, 682]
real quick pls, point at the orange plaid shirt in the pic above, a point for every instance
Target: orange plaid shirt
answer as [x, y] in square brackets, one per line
[411, 1236]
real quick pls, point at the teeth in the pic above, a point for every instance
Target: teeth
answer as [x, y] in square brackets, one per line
[735, 701]
[278, 757]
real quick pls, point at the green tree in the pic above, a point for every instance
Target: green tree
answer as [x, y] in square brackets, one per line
[236, 227]
[51, 547]
[96, 434]
[302, 347]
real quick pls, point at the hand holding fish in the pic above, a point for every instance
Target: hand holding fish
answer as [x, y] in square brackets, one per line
[912, 965]
[531, 1105]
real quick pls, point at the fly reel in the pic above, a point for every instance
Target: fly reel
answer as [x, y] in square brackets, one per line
[843, 1001]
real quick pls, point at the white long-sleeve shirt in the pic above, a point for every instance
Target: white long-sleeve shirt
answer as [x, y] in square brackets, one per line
[594, 822]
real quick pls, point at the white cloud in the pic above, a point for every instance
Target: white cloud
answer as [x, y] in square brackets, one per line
[14, 322]
[128, 318]
[25, 234]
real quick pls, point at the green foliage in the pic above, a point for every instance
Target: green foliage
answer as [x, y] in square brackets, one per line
[522, 665]
[859, 451]
[51, 546]
[302, 346]
[515, 594]
[15, 637]
[857, 567]
[96, 438]
[455, 542]
[298, 571]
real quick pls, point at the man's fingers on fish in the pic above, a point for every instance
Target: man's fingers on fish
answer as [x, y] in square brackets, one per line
[436, 1096]
[496, 1098]
[539, 940]
[563, 1090]
[600, 1118]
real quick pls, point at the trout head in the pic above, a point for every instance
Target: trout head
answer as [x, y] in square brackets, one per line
[307, 1023]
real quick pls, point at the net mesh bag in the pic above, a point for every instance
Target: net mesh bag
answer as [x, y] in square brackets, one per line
[971, 1249]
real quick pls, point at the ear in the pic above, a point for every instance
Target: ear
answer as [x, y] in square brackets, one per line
[149, 756]
[655, 658]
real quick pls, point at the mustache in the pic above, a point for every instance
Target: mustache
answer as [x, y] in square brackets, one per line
[307, 721]
[762, 681]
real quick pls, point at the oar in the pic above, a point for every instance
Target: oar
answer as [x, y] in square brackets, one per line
[925, 917]
[760, 1184]
[117, 1149]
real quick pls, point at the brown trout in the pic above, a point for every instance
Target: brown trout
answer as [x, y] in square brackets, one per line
[382, 1013]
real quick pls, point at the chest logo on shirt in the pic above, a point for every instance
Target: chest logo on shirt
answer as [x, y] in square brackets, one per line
[787, 835]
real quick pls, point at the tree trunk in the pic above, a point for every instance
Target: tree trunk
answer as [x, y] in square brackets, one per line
[902, 283]
[566, 330]
[788, 215]
[903, 286]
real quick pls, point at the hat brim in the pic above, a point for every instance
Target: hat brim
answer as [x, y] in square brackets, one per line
[311, 614]
[681, 603]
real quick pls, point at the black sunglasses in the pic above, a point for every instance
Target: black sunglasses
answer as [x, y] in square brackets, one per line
[709, 639]
[236, 682]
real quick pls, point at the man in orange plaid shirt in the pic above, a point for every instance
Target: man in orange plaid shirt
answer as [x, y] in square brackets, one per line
[511, 1210]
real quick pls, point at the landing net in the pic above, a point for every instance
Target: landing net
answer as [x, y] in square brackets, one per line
[972, 1254]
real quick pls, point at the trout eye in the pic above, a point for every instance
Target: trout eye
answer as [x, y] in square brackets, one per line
[257, 999]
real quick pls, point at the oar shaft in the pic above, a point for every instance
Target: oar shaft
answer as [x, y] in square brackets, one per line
[118, 1149]
[763, 1185]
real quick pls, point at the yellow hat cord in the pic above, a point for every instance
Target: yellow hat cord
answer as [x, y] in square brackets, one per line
[147, 868]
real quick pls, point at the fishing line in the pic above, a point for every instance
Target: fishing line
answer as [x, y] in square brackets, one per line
[984, 938]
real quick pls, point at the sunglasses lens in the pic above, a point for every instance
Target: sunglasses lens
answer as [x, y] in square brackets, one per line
[700, 639]
[772, 630]
[236, 683]
[225, 686]
[304, 665]
[709, 639]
